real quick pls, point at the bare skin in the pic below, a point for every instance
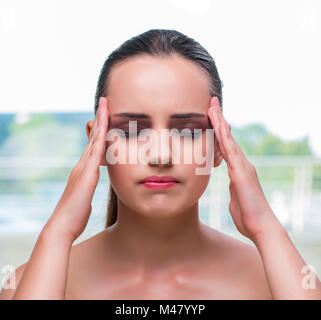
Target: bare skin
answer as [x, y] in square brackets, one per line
[158, 248]
[207, 274]
[225, 269]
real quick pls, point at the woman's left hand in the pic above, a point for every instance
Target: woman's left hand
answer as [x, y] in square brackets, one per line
[254, 218]
[248, 206]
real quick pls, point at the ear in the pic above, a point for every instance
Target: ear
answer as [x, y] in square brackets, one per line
[89, 126]
[218, 156]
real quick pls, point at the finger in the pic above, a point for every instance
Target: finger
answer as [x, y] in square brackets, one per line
[93, 127]
[99, 144]
[84, 156]
[86, 153]
[234, 157]
[215, 120]
[232, 152]
[88, 147]
[92, 136]
[227, 127]
[78, 169]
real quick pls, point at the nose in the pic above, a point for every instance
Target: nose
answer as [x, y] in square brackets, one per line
[161, 152]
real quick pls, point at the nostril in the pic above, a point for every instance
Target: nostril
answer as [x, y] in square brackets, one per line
[161, 163]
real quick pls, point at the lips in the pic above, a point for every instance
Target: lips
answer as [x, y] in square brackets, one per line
[158, 182]
[159, 179]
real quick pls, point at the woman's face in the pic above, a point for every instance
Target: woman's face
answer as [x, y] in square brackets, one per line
[156, 90]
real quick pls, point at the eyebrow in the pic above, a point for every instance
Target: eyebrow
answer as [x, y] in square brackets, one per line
[173, 116]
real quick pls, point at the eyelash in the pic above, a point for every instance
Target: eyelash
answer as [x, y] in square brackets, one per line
[191, 134]
[125, 134]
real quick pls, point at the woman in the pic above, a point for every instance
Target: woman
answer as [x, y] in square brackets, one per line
[154, 245]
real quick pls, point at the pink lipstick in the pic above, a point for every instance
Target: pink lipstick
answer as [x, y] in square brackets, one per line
[159, 182]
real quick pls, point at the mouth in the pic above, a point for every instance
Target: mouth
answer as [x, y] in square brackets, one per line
[159, 182]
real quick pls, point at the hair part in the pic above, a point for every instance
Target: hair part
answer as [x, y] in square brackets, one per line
[159, 43]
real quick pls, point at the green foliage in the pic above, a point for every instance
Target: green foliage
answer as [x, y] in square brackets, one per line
[35, 121]
[275, 173]
[255, 140]
[42, 136]
[316, 183]
[62, 135]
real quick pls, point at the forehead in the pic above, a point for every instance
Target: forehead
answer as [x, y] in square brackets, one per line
[152, 85]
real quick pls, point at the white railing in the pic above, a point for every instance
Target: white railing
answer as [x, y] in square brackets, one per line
[296, 203]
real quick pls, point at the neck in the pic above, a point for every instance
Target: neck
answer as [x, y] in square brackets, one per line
[152, 243]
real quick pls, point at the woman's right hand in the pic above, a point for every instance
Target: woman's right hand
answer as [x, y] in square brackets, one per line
[72, 212]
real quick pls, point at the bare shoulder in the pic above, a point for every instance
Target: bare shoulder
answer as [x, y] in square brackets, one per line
[12, 282]
[243, 266]
[88, 262]
[231, 269]
[81, 255]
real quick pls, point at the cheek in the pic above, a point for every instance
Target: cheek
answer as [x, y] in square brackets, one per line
[120, 177]
[116, 150]
[127, 151]
[195, 184]
[184, 150]
[192, 151]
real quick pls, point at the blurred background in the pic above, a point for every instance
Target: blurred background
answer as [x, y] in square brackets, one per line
[268, 57]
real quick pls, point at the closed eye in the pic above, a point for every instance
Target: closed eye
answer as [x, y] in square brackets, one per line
[126, 133]
[190, 132]
[183, 132]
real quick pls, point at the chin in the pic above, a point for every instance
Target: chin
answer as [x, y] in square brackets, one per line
[161, 211]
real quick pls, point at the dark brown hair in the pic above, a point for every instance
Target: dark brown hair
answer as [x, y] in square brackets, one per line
[162, 43]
